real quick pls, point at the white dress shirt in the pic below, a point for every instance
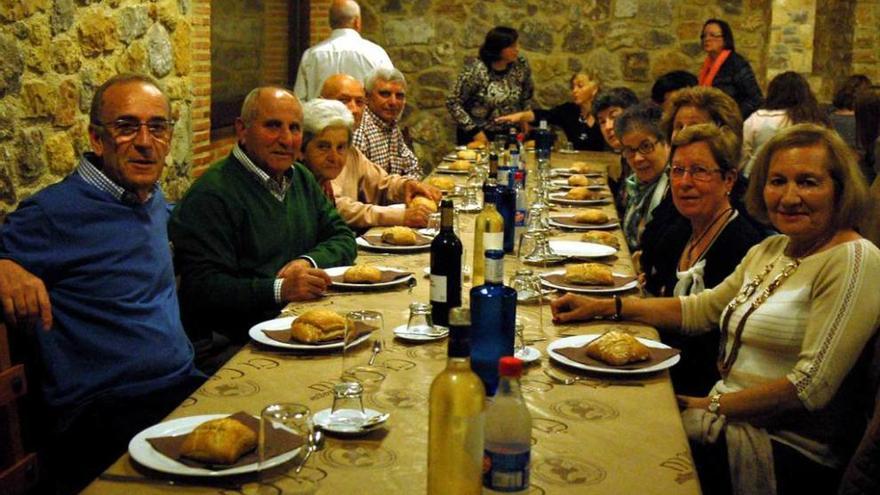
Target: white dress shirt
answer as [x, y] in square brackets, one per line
[346, 52]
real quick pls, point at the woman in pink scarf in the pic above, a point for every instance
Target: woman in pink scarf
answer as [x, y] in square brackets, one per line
[726, 69]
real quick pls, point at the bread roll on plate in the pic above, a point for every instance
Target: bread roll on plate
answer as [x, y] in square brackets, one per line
[581, 194]
[317, 325]
[601, 237]
[460, 165]
[399, 236]
[362, 274]
[426, 202]
[592, 216]
[588, 274]
[442, 183]
[580, 168]
[476, 145]
[219, 441]
[618, 348]
[578, 180]
[467, 154]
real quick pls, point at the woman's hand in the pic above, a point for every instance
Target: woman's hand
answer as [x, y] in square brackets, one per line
[688, 402]
[573, 308]
[512, 118]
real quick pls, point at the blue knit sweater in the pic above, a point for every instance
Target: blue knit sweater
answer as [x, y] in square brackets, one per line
[107, 267]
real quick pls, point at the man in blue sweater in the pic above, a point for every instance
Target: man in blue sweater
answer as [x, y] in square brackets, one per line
[87, 263]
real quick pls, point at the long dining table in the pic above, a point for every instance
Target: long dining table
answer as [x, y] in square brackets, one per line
[591, 432]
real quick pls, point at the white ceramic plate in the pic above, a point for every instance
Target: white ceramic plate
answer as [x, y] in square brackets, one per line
[340, 270]
[568, 152]
[563, 184]
[585, 226]
[256, 333]
[366, 245]
[322, 419]
[581, 340]
[588, 289]
[144, 453]
[441, 169]
[401, 333]
[579, 249]
[528, 354]
[561, 199]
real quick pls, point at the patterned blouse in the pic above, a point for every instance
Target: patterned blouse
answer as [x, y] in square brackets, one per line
[481, 94]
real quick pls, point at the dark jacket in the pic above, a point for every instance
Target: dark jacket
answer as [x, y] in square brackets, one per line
[737, 80]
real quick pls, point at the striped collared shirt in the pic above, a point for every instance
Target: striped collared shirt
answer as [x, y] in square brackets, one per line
[277, 190]
[383, 144]
[97, 178]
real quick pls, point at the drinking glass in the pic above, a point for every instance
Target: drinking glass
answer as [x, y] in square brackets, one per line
[519, 343]
[434, 223]
[568, 147]
[529, 244]
[348, 405]
[420, 319]
[527, 286]
[295, 418]
[365, 374]
[355, 323]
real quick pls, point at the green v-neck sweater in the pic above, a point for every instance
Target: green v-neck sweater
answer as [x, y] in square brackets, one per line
[230, 237]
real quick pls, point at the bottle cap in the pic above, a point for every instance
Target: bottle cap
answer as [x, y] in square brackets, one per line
[518, 175]
[510, 366]
[494, 254]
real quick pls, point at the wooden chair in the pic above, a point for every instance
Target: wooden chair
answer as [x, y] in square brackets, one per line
[19, 471]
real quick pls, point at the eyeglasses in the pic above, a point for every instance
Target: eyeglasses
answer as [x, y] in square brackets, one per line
[711, 35]
[126, 129]
[697, 173]
[644, 149]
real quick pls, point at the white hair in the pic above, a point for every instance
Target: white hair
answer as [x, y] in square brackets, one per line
[384, 73]
[319, 114]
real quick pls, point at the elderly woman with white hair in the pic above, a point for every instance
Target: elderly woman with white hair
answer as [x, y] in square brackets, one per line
[360, 189]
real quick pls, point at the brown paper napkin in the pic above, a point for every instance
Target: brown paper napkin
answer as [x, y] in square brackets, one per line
[387, 276]
[559, 279]
[376, 240]
[570, 221]
[579, 354]
[284, 336]
[279, 442]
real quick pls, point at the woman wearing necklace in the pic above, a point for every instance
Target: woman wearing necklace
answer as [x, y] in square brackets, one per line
[497, 83]
[794, 317]
[575, 117]
[700, 248]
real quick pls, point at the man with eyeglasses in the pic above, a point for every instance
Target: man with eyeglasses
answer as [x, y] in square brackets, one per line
[87, 263]
[254, 232]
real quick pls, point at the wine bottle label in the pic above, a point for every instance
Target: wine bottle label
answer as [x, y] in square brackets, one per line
[438, 288]
[493, 240]
[506, 472]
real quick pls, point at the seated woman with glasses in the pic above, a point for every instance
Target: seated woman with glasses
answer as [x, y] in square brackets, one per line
[699, 249]
[794, 317]
[644, 147]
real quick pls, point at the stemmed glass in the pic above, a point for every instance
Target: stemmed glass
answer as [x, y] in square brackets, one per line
[357, 322]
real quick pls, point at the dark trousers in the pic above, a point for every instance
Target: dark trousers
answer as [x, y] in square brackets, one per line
[101, 430]
[795, 473]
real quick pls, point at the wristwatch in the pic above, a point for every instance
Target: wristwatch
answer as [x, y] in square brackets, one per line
[714, 403]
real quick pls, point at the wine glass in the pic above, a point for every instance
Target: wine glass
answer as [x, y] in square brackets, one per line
[356, 323]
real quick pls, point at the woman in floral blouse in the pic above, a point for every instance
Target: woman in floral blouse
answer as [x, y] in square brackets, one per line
[497, 83]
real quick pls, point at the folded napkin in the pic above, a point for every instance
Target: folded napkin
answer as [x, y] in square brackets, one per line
[278, 440]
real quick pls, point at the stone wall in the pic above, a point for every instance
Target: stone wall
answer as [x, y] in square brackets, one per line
[55, 53]
[866, 39]
[630, 42]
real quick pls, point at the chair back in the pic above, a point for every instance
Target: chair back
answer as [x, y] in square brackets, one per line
[19, 471]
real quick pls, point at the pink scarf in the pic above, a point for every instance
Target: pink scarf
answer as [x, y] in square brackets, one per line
[710, 69]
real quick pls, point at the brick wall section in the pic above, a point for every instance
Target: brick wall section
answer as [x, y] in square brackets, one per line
[319, 25]
[277, 42]
[203, 148]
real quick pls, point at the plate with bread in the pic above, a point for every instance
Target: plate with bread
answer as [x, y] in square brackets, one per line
[465, 154]
[578, 249]
[367, 276]
[455, 167]
[596, 183]
[398, 238]
[589, 219]
[591, 278]
[614, 352]
[315, 329]
[580, 196]
[211, 445]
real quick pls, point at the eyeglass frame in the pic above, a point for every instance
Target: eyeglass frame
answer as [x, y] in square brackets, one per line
[645, 148]
[690, 171]
[113, 128]
[711, 35]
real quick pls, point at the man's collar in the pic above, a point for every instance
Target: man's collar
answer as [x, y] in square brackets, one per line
[91, 170]
[276, 189]
[340, 32]
[378, 120]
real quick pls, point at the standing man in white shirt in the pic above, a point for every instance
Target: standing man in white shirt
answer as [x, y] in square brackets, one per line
[345, 51]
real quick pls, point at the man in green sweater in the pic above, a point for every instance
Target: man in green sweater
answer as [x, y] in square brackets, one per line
[253, 233]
